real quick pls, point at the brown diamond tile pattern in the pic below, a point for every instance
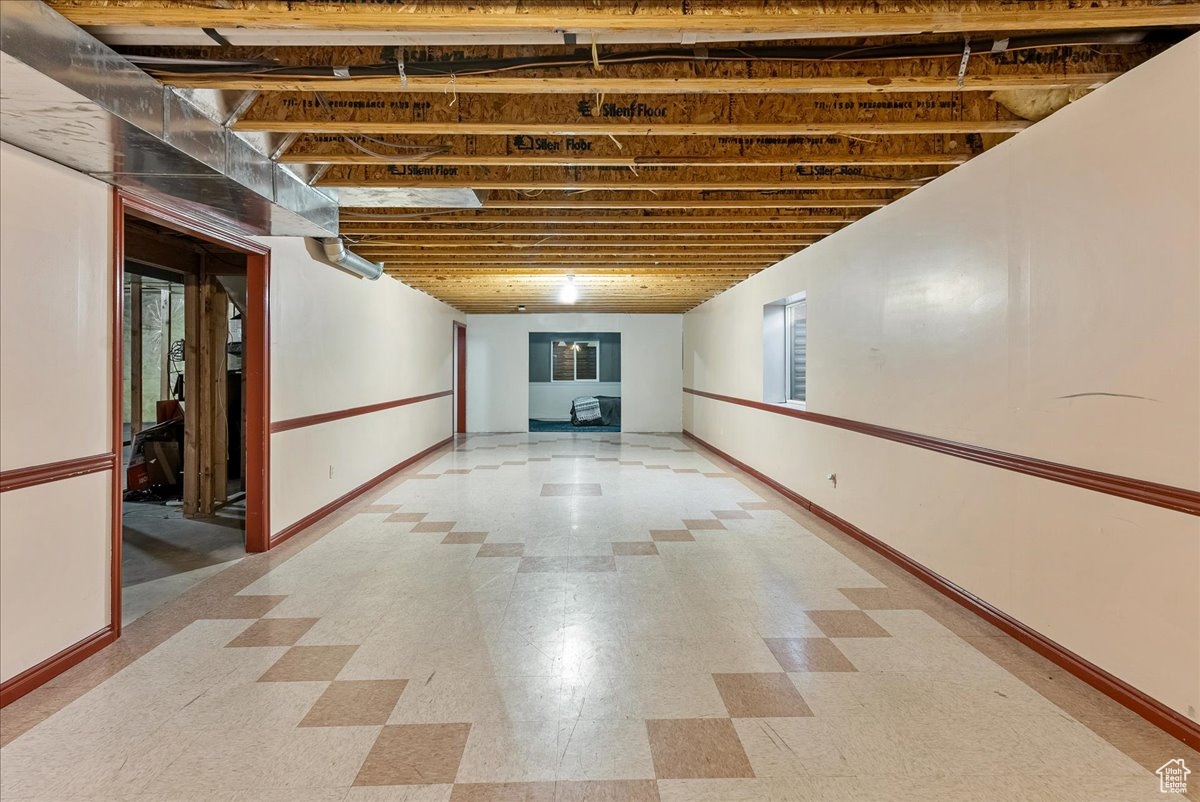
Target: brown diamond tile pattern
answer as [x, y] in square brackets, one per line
[760, 696]
[356, 703]
[697, 748]
[731, 515]
[309, 664]
[808, 654]
[575, 489]
[685, 470]
[380, 508]
[671, 535]
[757, 505]
[702, 524]
[414, 754]
[639, 548]
[501, 550]
[405, 517]
[274, 632]
[847, 624]
[434, 526]
[462, 538]
[238, 607]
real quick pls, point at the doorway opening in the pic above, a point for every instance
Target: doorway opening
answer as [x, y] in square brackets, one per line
[459, 379]
[574, 382]
[192, 402]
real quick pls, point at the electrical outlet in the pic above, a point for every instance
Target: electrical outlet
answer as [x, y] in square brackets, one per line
[330, 471]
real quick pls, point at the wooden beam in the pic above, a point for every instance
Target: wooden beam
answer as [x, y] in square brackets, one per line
[810, 155]
[192, 335]
[217, 325]
[409, 177]
[363, 235]
[868, 81]
[780, 203]
[453, 219]
[634, 116]
[798, 127]
[658, 244]
[135, 354]
[650, 20]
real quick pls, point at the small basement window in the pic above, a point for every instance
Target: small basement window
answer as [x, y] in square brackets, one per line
[796, 343]
[785, 350]
[575, 361]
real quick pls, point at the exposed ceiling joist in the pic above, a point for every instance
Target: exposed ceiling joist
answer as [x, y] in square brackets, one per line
[652, 20]
[606, 140]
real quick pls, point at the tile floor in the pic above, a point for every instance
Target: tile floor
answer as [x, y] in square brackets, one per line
[592, 617]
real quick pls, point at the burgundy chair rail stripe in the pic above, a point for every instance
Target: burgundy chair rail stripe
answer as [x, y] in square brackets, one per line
[56, 471]
[1172, 498]
[326, 417]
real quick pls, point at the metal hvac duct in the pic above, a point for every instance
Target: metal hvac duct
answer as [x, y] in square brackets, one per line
[336, 253]
[68, 97]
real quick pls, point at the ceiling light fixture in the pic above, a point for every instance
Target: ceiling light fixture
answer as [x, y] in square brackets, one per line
[569, 293]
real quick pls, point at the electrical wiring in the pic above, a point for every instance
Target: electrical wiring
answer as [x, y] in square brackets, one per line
[453, 68]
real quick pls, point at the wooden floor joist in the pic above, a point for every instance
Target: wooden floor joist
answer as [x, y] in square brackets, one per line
[796, 128]
[652, 20]
[809, 155]
[660, 150]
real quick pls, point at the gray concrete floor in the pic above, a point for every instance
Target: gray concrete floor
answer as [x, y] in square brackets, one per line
[159, 542]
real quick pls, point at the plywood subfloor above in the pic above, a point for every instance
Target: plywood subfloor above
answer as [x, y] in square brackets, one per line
[658, 151]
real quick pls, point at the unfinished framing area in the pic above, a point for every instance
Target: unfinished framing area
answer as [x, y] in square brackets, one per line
[202, 458]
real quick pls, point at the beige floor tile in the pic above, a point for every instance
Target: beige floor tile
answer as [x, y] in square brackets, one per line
[414, 754]
[246, 759]
[603, 750]
[572, 489]
[380, 508]
[634, 549]
[746, 790]
[847, 624]
[501, 550]
[511, 751]
[697, 749]
[355, 703]
[439, 792]
[808, 654]
[309, 664]
[274, 632]
[760, 695]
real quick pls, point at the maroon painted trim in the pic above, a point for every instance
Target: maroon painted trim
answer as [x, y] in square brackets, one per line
[326, 417]
[460, 403]
[1179, 499]
[14, 688]
[17, 478]
[256, 354]
[321, 512]
[1154, 711]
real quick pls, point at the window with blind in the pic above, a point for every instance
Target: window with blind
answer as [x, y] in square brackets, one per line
[575, 361]
[796, 349]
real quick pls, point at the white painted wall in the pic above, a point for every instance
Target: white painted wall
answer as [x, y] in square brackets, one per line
[552, 400]
[1043, 299]
[55, 388]
[498, 368]
[339, 342]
